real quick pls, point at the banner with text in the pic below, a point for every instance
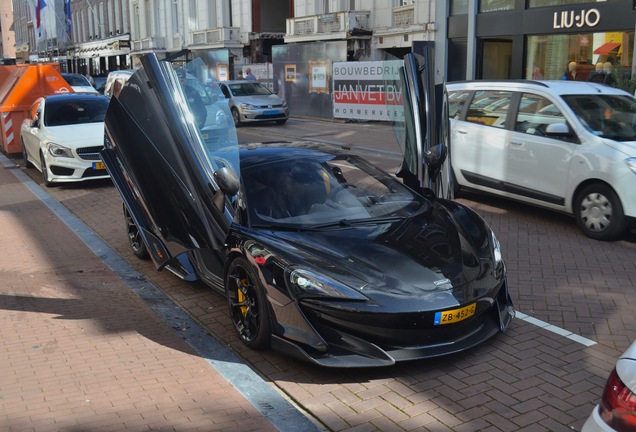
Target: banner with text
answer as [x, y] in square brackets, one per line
[368, 90]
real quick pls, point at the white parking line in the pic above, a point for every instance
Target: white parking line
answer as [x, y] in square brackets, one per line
[554, 329]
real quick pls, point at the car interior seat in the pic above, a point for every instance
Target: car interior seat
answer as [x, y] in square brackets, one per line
[304, 187]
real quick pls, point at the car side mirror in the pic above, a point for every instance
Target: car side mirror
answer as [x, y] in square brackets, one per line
[435, 157]
[228, 181]
[561, 129]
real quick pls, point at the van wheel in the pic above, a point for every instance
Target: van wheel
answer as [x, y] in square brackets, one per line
[599, 213]
[236, 117]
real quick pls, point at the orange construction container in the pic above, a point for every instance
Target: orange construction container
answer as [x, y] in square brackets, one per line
[20, 86]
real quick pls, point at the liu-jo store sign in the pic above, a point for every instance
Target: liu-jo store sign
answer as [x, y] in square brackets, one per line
[582, 18]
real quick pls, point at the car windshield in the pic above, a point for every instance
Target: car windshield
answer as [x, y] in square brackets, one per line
[321, 191]
[608, 116]
[76, 80]
[249, 89]
[62, 113]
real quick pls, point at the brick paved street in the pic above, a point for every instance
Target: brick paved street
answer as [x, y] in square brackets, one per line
[528, 379]
[81, 352]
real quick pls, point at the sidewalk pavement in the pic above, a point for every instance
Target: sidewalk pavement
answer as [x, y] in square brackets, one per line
[84, 350]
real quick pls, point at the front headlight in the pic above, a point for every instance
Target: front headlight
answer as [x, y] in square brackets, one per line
[221, 118]
[248, 107]
[306, 282]
[497, 256]
[631, 163]
[284, 103]
[57, 150]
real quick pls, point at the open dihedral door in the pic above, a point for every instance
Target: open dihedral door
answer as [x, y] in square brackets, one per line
[424, 131]
[165, 164]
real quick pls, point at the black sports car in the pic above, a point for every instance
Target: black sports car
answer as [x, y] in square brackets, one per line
[320, 254]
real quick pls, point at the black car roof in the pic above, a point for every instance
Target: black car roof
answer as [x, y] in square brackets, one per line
[73, 96]
[263, 153]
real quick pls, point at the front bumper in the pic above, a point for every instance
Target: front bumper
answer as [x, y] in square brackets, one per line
[345, 349]
[269, 114]
[61, 170]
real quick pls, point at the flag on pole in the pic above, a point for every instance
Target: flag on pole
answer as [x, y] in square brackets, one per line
[67, 12]
[38, 17]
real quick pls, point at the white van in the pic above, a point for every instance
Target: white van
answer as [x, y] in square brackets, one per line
[564, 145]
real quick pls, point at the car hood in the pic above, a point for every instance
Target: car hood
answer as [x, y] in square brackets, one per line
[261, 100]
[435, 254]
[626, 147]
[78, 135]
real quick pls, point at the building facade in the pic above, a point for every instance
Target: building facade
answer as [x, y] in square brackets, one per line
[539, 39]
[7, 42]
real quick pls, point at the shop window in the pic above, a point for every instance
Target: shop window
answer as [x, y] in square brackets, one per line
[580, 56]
[489, 108]
[496, 5]
[458, 7]
[549, 3]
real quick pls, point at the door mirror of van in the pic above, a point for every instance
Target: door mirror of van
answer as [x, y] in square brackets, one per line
[560, 129]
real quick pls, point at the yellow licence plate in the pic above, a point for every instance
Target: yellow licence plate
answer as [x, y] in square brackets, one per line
[98, 165]
[454, 315]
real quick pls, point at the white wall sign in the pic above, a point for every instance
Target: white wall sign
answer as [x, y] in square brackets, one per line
[367, 90]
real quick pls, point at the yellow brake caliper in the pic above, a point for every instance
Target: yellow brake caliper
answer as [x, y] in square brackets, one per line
[241, 297]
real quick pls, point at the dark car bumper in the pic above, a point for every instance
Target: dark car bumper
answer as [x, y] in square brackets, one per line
[348, 350]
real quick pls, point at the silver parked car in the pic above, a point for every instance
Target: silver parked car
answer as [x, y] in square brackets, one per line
[251, 101]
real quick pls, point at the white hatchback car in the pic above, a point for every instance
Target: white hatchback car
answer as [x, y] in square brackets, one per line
[564, 145]
[62, 136]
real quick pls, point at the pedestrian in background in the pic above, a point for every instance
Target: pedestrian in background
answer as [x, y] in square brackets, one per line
[249, 75]
[240, 74]
[570, 73]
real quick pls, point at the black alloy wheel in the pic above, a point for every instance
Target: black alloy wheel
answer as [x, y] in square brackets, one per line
[248, 305]
[135, 240]
[599, 213]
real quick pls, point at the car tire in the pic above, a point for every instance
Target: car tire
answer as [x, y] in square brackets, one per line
[135, 240]
[599, 213]
[249, 310]
[45, 172]
[236, 117]
[281, 122]
[25, 157]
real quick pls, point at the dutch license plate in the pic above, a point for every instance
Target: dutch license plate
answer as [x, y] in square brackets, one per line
[98, 166]
[270, 112]
[454, 315]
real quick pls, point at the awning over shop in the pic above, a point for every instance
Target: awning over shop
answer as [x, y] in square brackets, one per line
[607, 48]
